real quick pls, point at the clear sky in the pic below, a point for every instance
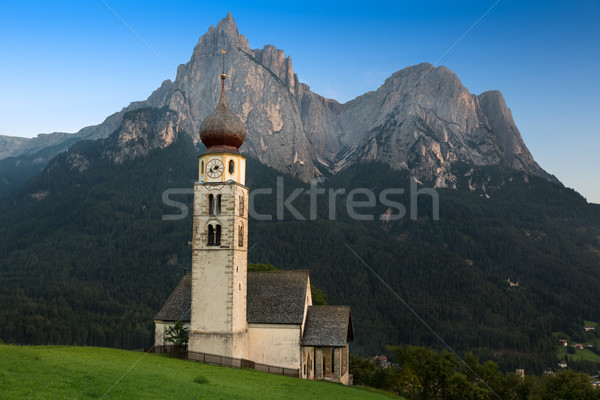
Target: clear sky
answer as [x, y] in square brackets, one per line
[68, 64]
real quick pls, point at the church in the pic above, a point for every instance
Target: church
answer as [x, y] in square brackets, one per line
[257, 319]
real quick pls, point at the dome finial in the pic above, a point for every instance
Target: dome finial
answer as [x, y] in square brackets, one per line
[222, 130]
[223, 76]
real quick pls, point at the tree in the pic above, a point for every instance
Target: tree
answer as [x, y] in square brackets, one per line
[569, 385]
[318, 297]
[426, 370]
[595, 349]
[178, 334]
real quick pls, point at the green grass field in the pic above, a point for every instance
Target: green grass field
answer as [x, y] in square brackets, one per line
[57, 372]
[584, 354]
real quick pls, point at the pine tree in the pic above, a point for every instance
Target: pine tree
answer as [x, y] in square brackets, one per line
[177, 334]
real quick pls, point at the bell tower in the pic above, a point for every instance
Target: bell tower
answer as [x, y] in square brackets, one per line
[220, 238]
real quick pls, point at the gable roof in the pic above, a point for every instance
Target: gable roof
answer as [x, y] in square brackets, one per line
[276, 297]
[179, 304]
[328, 326]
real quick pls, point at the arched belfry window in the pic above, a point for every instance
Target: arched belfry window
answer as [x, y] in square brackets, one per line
[218, 235]
[241, 205]
[231, 166]
[211, 204]
[218, 204]
[241, 236]
[211, 236]
[214, 235]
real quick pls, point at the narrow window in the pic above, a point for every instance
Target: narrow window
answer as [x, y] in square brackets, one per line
[218, 236]
[202, 168]
[231, 166]
[218, 204]
[240, 286]
[241, 206]
[332, 360]
[211, 236]
[211, 204]
[241, 236]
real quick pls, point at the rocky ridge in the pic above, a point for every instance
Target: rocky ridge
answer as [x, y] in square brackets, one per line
[10, 145]
[422, 118]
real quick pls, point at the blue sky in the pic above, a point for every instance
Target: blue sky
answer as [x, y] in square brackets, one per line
[69, 64]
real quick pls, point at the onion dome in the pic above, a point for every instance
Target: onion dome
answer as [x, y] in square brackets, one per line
[222, 130]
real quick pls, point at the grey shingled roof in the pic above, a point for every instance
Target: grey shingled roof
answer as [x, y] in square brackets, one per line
[276, 297]
[178, 305]
[328, 326]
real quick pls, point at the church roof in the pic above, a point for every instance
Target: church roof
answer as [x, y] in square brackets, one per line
[328, 326]
[178, 305]
[276, 297]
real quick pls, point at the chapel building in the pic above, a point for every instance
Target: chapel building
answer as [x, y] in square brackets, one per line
[264, 320]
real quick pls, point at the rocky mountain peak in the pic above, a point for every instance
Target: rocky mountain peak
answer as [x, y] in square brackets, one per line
[224, 36]
[422, 118]
[276, 61]
[141, 132]
[500, 120]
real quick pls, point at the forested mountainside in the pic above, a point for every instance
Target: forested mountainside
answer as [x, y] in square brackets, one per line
[86, 257]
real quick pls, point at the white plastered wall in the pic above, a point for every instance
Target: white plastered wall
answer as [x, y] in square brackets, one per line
[274, 344]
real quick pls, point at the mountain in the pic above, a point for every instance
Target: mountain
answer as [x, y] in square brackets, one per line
[56, 142]
[421, 119]
[424, 120]
[10, 145]
[21, 160]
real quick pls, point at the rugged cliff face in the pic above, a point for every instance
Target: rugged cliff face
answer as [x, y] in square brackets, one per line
[422, 118]
[263, 97]
[141, 132]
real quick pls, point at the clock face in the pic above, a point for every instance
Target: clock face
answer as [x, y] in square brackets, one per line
[214, 168]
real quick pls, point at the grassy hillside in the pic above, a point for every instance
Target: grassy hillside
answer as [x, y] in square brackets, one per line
[54, 372]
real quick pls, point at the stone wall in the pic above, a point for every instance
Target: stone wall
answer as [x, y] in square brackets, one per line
[219, 273]
[275, 344]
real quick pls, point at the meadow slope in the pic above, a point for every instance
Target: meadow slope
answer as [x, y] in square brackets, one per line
[60, 372]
